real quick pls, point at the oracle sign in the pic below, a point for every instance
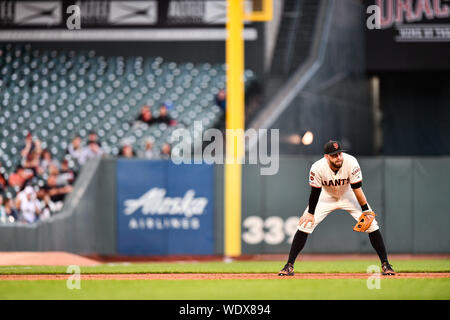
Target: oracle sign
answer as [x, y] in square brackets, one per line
[407, 34]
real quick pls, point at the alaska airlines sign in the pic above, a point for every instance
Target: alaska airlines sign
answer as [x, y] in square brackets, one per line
[163, 208]
[155, 202]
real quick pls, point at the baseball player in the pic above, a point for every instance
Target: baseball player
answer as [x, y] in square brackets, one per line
[336, 183]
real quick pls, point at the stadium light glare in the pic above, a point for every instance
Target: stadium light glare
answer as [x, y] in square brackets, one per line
[294, 139]
[308, 138]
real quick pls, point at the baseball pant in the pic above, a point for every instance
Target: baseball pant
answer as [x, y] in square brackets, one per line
[328, 204]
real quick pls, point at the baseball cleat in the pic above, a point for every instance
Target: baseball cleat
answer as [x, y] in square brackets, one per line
[387, 269]
[288, 270]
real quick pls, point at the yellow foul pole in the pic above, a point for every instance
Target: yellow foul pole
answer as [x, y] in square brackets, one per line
[234, 121]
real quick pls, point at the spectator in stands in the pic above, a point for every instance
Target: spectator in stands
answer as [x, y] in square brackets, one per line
[221, 99]
[47, 160]
[75, 148]
[92, 151]
[68, 174]
[2, 210]
[3, 181]
[29, 205]
[48, 207]
[30, 146]
[148, 151]
[221, 102]
[127, 151]
[20, 177]
[62, 179]
[164, 116]
[11, 213]
[32, 163]
[92, 137]
[146, 116]
[56, 187]
[165, 151]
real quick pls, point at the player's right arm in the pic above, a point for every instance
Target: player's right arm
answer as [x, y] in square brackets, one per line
[316, 189]
[315, 181]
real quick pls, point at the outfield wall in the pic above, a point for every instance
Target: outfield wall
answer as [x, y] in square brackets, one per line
[85, 225]
[409, 195]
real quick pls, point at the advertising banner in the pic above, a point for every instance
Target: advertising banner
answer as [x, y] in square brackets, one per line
[164, 209]
[404, 35]
[23, 14]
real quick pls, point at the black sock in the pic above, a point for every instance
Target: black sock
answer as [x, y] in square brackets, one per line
[377, 243]
[297, 245]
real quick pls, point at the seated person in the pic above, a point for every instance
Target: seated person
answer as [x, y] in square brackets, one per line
[47, 160]
[126, 151]
[30, 146]
[75, 148]
[166, 151]
[3, 181]
[164, 116]
[146, 116]
[220, 99]
[29, 204]
[32, 162]
[11, 212]
[57, 187]
[93, 150]
[20, 177]
[147, 153]
[67, 174]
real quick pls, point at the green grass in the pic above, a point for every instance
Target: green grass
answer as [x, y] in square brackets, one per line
[273, 289]
[345, 266]
[280, 289]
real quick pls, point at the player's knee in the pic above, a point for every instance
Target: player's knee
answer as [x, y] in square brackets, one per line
[373, 227]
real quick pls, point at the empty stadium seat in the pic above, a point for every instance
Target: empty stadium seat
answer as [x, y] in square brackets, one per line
[60, 94]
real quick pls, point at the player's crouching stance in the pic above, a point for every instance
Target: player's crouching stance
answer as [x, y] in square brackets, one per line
[340, 177]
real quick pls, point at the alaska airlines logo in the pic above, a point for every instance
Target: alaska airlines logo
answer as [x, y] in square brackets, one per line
[154, 202]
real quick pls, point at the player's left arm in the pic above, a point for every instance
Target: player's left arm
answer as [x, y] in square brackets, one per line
[360, 196]
[356, 184]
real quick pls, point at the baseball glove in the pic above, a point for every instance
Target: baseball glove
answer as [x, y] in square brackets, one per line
[364, 221]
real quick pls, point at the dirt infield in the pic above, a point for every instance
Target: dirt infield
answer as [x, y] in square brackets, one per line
[64, 258]
[216, 276]
[55, 258]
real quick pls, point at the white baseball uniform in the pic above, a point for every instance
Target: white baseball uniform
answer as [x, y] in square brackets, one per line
[336, 191]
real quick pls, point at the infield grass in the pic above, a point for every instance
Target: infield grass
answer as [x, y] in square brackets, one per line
[276, 289]
[286, 289]
[338, 266]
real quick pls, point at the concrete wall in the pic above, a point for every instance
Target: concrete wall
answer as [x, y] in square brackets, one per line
[409, 195]
[86, 224]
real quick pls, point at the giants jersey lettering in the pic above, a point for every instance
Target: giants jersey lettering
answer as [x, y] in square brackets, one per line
[335, 184]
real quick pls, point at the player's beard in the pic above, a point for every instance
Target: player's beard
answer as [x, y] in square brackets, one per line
[336, 166]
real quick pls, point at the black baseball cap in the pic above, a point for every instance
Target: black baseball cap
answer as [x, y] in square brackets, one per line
[332, 147]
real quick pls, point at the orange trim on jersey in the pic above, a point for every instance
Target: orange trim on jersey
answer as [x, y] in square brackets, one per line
[356, 182]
